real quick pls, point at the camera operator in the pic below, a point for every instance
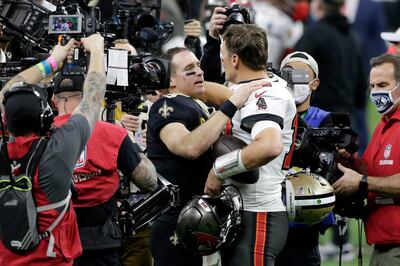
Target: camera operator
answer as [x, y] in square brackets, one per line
[210, 62]
[134, 250]
[377, 172]
[96, 177]
[301, 246]
[28, 119]
[179, 135]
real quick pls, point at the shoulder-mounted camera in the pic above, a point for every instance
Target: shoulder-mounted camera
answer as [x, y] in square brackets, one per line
[317, 150]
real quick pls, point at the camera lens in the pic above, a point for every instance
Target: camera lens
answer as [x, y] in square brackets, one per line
[236, 18]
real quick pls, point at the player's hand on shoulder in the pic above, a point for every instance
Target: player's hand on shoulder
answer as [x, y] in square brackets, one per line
[243, 92]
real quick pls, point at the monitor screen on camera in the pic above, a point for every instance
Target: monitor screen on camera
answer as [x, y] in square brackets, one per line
[60, 24]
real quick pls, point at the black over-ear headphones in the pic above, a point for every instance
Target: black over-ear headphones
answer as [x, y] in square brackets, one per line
[46, 113]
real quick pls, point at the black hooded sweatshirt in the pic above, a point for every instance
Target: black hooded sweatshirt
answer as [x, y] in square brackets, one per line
[335, 48]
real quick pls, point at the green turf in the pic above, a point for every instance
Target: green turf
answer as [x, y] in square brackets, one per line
[366, 249]
[373, 117]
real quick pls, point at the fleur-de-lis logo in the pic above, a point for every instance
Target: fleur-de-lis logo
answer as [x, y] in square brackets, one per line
[165, 110]
[174, 239]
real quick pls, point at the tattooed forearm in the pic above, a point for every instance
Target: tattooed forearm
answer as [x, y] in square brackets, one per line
[93, 94]
[145, 176]
[10, 83]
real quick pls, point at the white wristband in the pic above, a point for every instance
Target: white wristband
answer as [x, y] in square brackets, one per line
[228, 165]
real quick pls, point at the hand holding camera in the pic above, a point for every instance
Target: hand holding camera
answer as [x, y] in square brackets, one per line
[93, 43]
[61, 52]
[217, 22]
[192, 28]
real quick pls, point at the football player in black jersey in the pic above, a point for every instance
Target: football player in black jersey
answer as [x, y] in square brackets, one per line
[179, 135]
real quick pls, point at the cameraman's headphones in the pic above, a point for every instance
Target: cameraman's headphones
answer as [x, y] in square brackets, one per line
[46, 113]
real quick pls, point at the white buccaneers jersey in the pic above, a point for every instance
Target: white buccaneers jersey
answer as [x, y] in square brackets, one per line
[272, 103]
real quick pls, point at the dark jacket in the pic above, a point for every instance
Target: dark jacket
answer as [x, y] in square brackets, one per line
[210, 62]
[334, 47]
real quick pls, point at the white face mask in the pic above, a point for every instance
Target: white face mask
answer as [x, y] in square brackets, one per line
[383, 100]
[301, 92]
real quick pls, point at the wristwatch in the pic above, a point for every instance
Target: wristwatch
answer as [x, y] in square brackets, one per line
[363, 187]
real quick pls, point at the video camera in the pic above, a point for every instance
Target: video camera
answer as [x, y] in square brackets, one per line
[32, 22]
[294, 76]
[74, 21]
[145, 74]
[236, 14]
[317, 149]
[290, 75]
[139, 209]
[35, 23]
[39, 25]
[25, 20]
[139, 22]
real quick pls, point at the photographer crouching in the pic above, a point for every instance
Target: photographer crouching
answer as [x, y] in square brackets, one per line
[52, 236]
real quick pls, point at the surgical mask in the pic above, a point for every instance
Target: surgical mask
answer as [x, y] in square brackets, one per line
[383, 100]
[301, 92]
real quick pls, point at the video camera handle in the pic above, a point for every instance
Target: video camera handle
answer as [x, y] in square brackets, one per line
[137, 111]
[79, 57]
[110, 110]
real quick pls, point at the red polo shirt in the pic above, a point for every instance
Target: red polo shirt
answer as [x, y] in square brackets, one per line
[382, 157]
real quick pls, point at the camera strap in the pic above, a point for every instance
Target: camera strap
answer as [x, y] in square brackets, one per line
[7, 166]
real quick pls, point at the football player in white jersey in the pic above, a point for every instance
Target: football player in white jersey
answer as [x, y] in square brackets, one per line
[267, 123]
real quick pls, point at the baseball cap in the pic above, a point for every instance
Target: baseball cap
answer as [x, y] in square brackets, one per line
[391, 36]
[301, 57]
[22, 111]
[73, 81]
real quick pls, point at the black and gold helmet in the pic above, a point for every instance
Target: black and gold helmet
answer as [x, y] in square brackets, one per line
[309, 198]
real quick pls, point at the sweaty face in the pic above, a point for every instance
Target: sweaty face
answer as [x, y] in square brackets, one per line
[188, 76]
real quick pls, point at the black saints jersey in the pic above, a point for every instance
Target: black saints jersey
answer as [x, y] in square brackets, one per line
[189, 175]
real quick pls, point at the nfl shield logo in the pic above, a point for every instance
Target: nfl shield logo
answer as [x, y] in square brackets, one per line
[386, 153]
[82, 159]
